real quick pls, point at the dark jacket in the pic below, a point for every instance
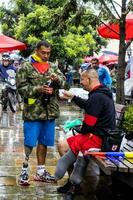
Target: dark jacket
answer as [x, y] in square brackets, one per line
[99, 115]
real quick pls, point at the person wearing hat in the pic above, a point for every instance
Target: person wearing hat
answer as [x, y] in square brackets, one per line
[5, 67]
[7, 72]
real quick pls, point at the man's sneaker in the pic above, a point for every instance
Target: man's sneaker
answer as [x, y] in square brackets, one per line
[24, 177]
[45, 177]
[64, 189]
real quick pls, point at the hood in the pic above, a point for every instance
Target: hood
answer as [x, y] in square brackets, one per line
[102, 89]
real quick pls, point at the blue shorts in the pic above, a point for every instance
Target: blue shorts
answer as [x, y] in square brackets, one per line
[39, 132]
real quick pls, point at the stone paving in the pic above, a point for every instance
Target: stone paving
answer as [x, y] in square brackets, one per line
[11, 159]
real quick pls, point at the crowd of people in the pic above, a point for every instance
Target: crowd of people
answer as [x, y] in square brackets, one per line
[38, 82]
[8, 69]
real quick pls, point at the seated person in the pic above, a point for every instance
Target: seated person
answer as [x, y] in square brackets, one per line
[99, 118]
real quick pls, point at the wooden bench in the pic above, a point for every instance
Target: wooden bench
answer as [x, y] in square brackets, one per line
[112, 164]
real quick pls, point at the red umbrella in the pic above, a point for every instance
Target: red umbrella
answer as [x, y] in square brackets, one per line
[9, 44]
[111, 30]
[108, 58]
[87, 59]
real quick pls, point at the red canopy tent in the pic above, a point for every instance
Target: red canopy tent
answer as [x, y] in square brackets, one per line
[87, 59]
[108, 58]
[9, 44]
[111, 30]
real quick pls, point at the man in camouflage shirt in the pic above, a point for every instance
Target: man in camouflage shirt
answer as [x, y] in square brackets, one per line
[38, 82]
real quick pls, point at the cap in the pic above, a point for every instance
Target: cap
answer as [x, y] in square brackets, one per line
[6, 56]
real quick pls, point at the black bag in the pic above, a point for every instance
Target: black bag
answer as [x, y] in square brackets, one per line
[112, 141]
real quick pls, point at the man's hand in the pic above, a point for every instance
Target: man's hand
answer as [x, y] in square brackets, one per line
[45, 89]
[66, 95]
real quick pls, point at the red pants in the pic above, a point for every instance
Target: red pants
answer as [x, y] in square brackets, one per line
[84, 142]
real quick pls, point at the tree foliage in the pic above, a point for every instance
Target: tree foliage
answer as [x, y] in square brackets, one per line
[68, 25]
[109, 13]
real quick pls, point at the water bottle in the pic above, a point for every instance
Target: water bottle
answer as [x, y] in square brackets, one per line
[47, 96]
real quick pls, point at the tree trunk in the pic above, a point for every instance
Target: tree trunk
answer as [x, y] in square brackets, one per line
[121, 60]
[121, 75]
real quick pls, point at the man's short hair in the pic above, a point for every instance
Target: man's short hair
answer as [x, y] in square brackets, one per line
[43, 43]
[95, 59]
[91, 73]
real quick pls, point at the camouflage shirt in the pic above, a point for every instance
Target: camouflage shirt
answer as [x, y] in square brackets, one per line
[38, 106]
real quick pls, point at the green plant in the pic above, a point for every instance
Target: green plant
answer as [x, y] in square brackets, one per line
[128, 120]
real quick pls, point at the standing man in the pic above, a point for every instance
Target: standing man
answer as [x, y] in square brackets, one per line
[38, 82]
[103, 74]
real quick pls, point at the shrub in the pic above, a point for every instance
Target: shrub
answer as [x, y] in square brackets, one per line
[128, 120]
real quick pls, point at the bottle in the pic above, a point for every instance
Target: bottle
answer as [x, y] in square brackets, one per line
[47, 96]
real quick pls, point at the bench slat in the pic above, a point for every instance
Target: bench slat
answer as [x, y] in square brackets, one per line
[105, 164]
[129, 164]
[130, 143]
[126, 147]
[118, 162]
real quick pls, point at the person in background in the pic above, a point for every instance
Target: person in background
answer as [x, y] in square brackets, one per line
[76, 77]
[127, 70]
[69, 78]
[106, 66]
[6, 69]
[7, 72]
[84, 67]
[113, 74]
[104, 76]
[38, 82]
[99, 118]
[16, 64]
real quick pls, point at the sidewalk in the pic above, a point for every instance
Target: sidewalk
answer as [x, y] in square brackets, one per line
[11, 159]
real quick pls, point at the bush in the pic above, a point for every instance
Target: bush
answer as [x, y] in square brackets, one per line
[128, 120]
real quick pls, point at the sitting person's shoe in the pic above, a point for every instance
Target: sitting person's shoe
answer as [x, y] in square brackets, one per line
[45, 177]
[74, 189]
[24, 177]
[71, 193]
[64, 189]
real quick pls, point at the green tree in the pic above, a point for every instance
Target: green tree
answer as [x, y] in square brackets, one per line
[110, 13]
[58, 22]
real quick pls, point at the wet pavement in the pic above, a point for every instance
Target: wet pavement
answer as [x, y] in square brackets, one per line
[11, 159]
[12, 154]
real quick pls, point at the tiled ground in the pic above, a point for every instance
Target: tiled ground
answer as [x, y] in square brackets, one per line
[11, 159]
